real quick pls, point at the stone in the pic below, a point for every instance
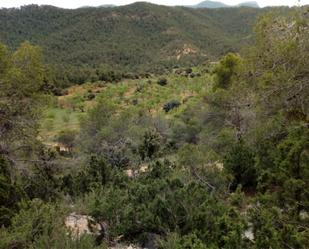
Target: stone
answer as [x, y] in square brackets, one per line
[79, 225]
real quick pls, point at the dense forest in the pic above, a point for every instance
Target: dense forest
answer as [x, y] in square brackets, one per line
[137, 37]
[212, 152]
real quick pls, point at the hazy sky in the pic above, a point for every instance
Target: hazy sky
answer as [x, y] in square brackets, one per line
[79, 3]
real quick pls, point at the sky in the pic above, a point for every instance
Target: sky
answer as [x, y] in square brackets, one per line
[78, 3]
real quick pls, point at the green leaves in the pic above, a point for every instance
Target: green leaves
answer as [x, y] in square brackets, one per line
[10, 194]
[227, 70]
[20, 96]
[240, 162]
[139, 37]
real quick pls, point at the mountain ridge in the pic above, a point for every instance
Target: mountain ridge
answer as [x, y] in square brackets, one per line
[134, 36]
[217, 4]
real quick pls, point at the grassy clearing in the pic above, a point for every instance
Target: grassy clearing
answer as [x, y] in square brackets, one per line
[57, 119]
[145, 95]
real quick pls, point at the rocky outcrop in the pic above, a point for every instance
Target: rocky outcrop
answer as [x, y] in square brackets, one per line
[131, 173]
[79, 225]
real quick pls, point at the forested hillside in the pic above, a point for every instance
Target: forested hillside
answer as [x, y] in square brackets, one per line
[138, 36]
[211, 156]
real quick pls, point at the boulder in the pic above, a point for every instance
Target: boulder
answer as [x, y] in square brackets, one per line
[79, 225]
[151, 241]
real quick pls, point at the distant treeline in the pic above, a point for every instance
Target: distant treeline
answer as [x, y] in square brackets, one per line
[137, 37]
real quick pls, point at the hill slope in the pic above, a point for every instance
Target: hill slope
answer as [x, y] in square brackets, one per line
[136, 36]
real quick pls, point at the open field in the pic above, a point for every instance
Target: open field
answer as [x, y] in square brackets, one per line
[144, 95]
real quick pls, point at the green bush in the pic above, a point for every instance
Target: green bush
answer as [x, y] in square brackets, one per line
[227, 70]
[162, 82]
[171, 105]
[175, 241]
[151, 144]
[40, 225]
[10, 194]
[240, 162]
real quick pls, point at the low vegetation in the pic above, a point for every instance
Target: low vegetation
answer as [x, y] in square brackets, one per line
[208, 156]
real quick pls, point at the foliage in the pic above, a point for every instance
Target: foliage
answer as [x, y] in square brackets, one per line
[158, 202]
[20, 94]
[225, 169]
[171, 105]
[10, 194]
[43, 181]
[150, 145]
[239, 161]
[174, 241]
[162, 81]
[150, 41]
[226, 70]
[67, 138]
[39, 225]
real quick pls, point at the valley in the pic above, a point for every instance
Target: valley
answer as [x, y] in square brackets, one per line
[145, 126]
